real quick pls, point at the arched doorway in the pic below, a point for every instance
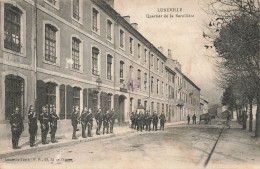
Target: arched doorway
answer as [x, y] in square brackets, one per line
[122, 109]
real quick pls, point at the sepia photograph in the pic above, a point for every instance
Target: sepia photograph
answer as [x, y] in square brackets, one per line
[130, 84]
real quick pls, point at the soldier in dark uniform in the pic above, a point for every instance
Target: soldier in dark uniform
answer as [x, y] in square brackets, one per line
[98, 117]
[89, 121]
[188, 118]
[17, 127]
[140, 121]
[106, 122]
[155, 121]
[194, 119]
[146, 120]
[162, 121]
[74, 121]
[83, 121]
[112, 117]
[53, 123]
[32, 122]
[44, 120]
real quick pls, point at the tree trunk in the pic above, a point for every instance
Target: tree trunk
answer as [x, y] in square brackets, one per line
[250, 115]
[257, 127]
[232, 113]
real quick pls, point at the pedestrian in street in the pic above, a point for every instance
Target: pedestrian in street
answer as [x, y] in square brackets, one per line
[188, 118]
[98, 117]
[83, 121]
[32, 122]
[194, 119]
[162, 121]
[105, 122]
[53, 123]
[89, 121]
[44, 120]
[17, 127]
[229, 120]
[244, 120]
[155, 121]
[74, 121]
[112, 117]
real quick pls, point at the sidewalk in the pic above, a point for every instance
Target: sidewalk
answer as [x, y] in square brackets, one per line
[63, 140]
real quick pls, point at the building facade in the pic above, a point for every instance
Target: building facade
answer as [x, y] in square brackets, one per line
[83, 53]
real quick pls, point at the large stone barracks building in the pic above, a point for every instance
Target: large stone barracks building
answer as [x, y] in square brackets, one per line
[83, 53]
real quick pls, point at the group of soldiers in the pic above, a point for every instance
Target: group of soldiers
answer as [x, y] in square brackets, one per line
[86, 120]
[142, 121]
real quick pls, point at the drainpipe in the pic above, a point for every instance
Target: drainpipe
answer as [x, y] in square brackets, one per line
[35, 54]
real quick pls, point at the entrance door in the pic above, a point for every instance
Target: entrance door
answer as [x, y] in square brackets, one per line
[121, 109]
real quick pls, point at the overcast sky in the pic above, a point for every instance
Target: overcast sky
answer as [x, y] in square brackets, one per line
[182, 35]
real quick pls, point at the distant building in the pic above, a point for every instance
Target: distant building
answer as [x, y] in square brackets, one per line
[204, 105]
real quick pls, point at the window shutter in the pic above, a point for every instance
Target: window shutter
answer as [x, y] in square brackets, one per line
[62, 101]
[69, 101]
[90, 99]
[85, 98]
[41, 96]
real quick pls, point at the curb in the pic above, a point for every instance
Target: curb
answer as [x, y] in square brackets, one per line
[57, 145]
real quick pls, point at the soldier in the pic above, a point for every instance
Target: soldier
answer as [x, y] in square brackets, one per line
[147, 119]
[112, 120]
[149, 122]
[188, 118]
[89, 121]
[74, 121]
[32, 122]
[162, 121]
[44, 120]
[105, 122]
[17, 127]
[194, 119]
[155, 121]
[140, 121]
[53, 123]
[98, 117]
[83, 121]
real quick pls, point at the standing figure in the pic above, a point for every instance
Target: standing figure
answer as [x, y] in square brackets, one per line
[83, 121]
[229, 120]
[32, 122]
[112, 117]
[188, 118]
[162, 121]
[105, 122]
[89, 121]
[98, 117]
[138, 121]
[155, 121]
[194, 118]
[74, 121]
[53, 123]
[44, 120]
[149, 121]
[244, 120]
[17, 127]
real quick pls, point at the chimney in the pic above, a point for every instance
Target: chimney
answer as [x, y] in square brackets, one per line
[160, 48]
[110, 3]
[127, 18]
[169, 53]
[135, 25]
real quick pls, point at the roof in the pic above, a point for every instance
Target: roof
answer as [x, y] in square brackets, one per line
[118, 18]
[191, 82]
[170, 70]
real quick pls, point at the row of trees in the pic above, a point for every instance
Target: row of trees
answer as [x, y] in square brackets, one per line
[235, 35]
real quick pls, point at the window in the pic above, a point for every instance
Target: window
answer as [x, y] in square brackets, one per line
[122, 39]
[152, 84]
[95, 20]
[12, 28]
[14, 95]
[109, 67]
[162, 87]
[109, 101]
[131, 46]
[50, 43]
[145, 80]
[95, 53]
[139, 51]
[109, 30]
[151, 60]
[158, 108]
[157, 86]
[166, 90]
[76, 53]
[157, 64]
[121, 71]
[139, 78]
[76, 96]
[145, 105]
[50, 95]
[145, 55]
[139, 102]
[173, 78]
[162, 67]
[152, 107]
[162, 108]
[76, 9]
